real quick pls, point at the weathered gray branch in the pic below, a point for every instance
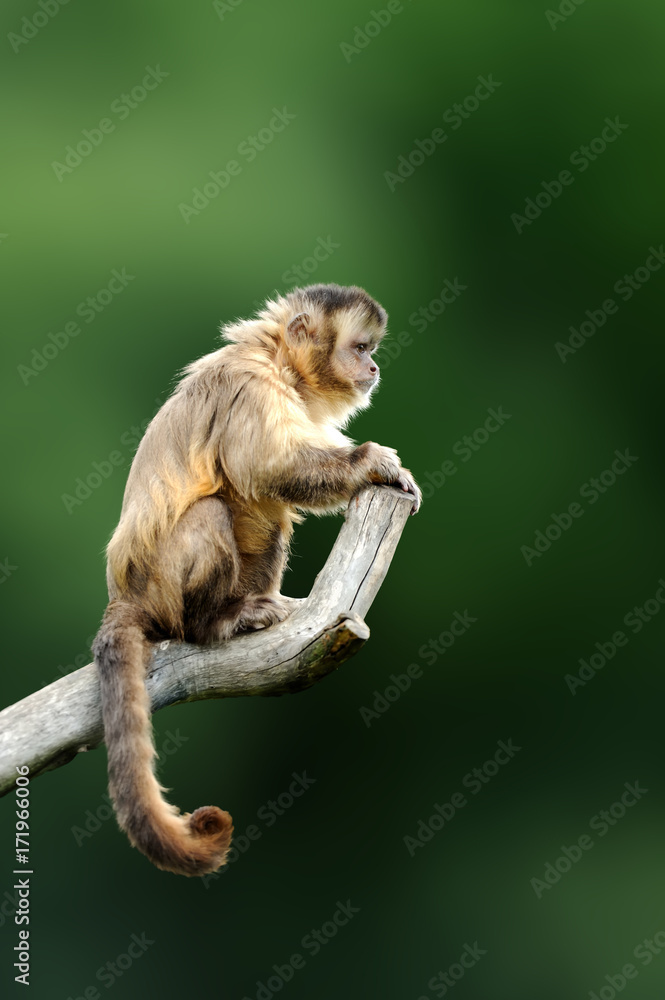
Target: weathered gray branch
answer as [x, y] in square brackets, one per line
[48, 728]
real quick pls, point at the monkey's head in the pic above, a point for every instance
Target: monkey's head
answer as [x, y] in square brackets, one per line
[330, 334]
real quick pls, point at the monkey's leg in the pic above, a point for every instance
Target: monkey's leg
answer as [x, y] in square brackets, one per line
[201, 563]
[224, 591]
[259, 603]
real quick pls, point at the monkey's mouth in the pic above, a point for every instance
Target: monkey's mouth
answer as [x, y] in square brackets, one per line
[366, 385]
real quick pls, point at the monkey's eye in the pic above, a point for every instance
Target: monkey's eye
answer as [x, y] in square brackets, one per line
[361, 348]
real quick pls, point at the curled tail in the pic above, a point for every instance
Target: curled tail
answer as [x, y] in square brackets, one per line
[189, 844]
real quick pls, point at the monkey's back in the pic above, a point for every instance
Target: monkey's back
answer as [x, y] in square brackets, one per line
[230, 419]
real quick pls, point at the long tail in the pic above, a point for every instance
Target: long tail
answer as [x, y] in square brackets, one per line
[189, 844]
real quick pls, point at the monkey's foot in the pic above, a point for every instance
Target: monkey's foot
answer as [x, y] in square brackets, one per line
[260, 611]
[254, 612]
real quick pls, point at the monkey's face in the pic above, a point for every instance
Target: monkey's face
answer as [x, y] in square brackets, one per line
[353, 363]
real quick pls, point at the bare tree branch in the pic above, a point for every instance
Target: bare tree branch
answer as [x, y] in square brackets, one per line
[48, 728]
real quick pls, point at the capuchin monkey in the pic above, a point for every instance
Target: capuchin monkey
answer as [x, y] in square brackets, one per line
[249, 439]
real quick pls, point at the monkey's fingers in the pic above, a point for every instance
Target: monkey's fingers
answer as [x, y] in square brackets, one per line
[408, 484]
[402, 483]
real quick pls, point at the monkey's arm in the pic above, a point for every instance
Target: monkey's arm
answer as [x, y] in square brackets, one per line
[270, 448]
[316, 478]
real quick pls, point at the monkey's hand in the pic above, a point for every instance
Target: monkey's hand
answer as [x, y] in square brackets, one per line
[384, 466]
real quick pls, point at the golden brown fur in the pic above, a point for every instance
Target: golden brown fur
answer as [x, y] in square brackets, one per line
[249, 439]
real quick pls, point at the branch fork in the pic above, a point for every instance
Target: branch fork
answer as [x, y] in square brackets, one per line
[50, 727]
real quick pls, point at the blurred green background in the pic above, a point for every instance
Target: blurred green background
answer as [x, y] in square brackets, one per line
[329, 182]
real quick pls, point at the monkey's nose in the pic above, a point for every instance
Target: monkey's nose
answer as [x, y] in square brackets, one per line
[373, 369]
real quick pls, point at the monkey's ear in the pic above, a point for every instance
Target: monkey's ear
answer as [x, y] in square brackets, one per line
[301, 326]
